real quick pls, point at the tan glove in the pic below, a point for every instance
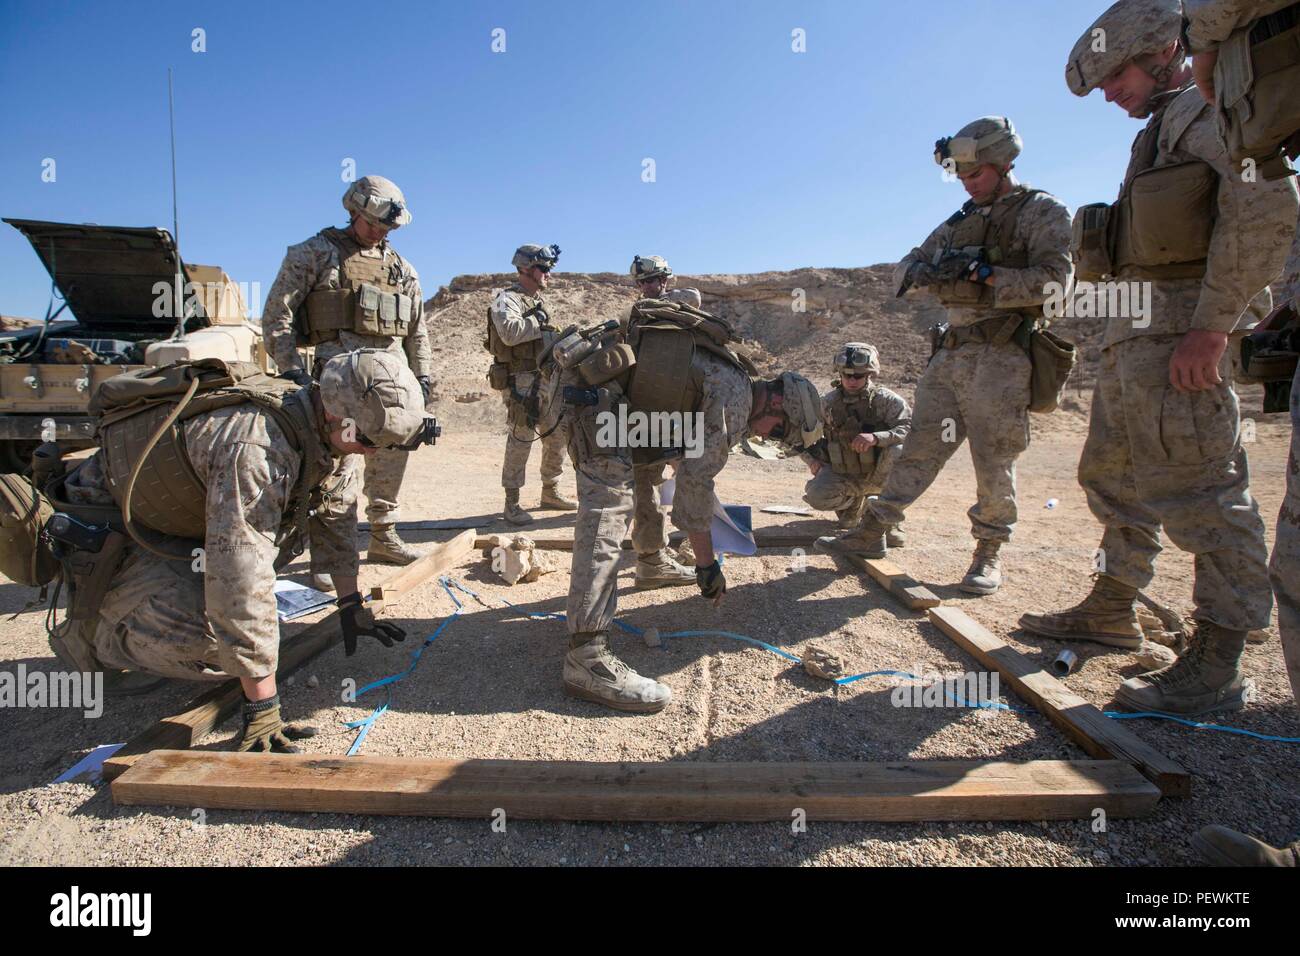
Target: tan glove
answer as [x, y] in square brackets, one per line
[265, 732]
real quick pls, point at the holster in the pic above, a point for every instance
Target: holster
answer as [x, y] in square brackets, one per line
[89, 575]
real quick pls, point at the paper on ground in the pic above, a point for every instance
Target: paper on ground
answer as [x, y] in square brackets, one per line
[733, 525]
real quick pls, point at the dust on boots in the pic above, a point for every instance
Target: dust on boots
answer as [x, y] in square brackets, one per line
[592, 672]
[1106, 616]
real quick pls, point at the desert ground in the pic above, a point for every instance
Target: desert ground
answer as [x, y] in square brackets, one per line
[490, 687]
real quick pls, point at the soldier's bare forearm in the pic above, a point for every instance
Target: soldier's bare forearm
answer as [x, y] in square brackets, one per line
[702, 545]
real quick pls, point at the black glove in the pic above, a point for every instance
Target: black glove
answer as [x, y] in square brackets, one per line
[299, 376]
[357, 619]
[265, 732]
[710, 581]
[426, 386]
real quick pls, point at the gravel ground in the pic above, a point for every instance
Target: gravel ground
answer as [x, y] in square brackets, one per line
[490, 687]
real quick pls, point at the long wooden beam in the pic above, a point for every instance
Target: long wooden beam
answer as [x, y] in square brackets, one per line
[672, 791]
[207, 711]
[906, 589]
[763, 537]
[1083, 723]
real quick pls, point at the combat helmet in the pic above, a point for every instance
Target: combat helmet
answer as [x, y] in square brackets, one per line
[649, 267]
[530, 254]
[990, 139]
[858, 356]
[1128, 30]
[378, 200]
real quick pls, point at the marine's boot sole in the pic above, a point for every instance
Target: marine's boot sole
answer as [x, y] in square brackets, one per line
[628, 706]
[825, 546]
[1236, 701]
[1125, 642]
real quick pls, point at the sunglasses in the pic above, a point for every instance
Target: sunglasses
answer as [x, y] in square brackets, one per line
[543, 269]
[853, 375]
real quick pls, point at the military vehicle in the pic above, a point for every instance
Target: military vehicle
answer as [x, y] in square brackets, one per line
[117, 282]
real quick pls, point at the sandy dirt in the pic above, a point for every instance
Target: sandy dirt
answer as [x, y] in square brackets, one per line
[490, 687]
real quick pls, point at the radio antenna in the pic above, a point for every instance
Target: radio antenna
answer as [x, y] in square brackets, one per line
[179, 281]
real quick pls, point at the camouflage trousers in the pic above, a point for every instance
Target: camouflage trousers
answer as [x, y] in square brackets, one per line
[153, 619]
[976, 391]
[1284, 569]
[1159, 458]
[827, 491]
[605, 500]
[521, 438]
[649, 518]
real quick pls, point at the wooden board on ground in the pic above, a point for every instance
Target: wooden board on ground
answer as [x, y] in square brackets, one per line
[445, 524]
[439, 558]
[763, 537]
[896, 581]
[1083, 723]
[673, 791]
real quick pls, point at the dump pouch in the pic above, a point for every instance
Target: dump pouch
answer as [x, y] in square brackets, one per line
[607, 363]
[1052, 359]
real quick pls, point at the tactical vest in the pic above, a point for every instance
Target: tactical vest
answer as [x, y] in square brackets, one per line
[1256, 79]
[1163, 222]
[849, 418]
[664, 337]
[522, 357]
[168, 497]
[987, 235]
[370, 300]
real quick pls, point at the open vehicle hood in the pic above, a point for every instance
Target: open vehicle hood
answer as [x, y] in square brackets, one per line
[108, 273]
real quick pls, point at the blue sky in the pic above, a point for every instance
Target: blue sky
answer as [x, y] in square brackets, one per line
[764, 158]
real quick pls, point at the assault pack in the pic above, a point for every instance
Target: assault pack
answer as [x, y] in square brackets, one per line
[664, 337]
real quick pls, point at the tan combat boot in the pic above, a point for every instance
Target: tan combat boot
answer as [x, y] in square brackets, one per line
[1205, 679]
[895, 538]
[387, 548]
[658, 570]
[322, 582]
[867, 540]
[1220, 846]
[1106, 616]
[985, 573]
[592, 672]
[850, 516]
[513, 513]
[552, 500]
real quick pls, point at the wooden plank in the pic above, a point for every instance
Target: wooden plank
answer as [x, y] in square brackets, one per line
[672, 791]
[439, 558]
[910, 592]
[1083, 723]
[207, 711]
[763, 537]
[444, 524]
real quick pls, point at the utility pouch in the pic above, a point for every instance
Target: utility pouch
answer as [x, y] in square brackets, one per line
[1090, 242]
[498, 376]
[91, 574]
[1257, 75]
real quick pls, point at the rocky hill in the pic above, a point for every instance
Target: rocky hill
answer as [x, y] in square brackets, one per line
[791, 320]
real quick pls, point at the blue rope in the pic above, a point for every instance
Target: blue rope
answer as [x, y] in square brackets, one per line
[364, 725]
